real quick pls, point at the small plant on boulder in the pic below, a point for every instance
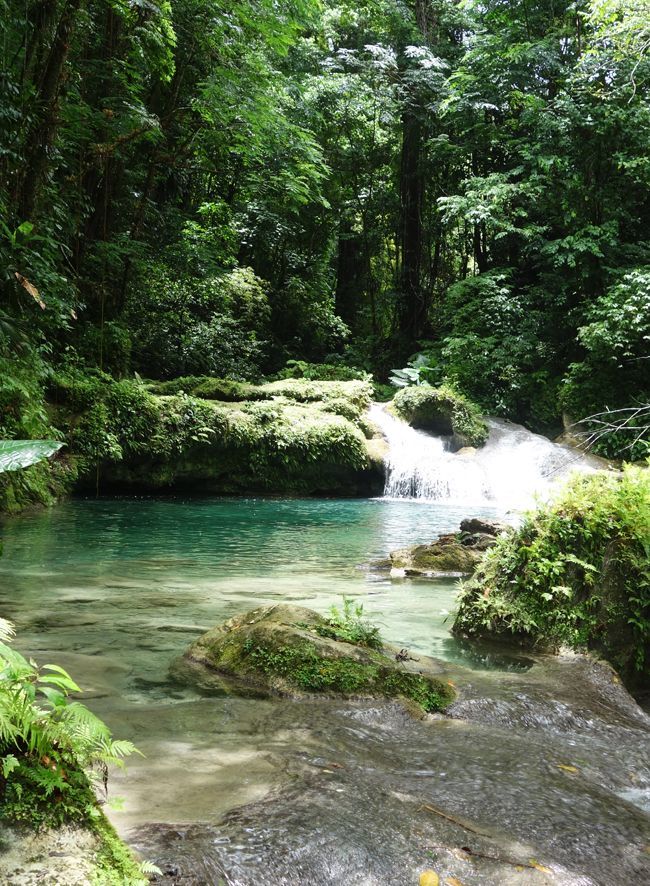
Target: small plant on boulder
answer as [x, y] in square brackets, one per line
[349, 625]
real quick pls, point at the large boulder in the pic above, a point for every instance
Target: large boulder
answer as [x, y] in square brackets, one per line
[442, 411]
[457, 553]
[291, 650]
[573, 575]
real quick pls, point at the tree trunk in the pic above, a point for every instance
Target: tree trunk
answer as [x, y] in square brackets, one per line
[412, 303]
[41, 134]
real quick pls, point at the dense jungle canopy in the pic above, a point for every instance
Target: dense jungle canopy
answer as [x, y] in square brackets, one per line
[217, 187]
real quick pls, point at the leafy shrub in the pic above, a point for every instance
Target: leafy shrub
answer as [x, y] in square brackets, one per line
[22, 407]
[614, 373]
[105, 418]
[189, 325]
[576, 573]
[499, 348]
[108, 347]
[321, 371]
[348, 624]
[304, 320]
[418, 371]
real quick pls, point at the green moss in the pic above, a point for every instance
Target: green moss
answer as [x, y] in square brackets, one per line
[437, 557]
[208, 388]
[284, 649]
[302, 437]
[42, 484]
[114, 862]
[443, 411]
[304, 667]
[576, 574]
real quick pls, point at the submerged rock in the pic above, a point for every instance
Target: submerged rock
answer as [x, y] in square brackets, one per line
[291, 650]
[454, 553]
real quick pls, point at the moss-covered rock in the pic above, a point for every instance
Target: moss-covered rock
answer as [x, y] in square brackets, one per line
[442, 411]
[41, 484]
[292, 650]
[575, 574]
[206, 387]
[446, 556]
[291, 436]
[457, 553]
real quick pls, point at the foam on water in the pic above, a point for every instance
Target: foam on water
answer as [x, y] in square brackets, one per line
[513, 468]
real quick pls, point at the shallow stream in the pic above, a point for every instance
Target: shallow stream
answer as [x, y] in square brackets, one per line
[542, 775]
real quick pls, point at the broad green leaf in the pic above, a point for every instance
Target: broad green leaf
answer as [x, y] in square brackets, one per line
[16, 454]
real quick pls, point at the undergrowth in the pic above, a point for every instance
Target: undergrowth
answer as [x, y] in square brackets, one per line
[349, 625]
[52, 748]
[575, 574]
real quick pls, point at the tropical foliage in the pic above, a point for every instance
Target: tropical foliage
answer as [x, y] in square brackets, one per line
[217, 187]
[575, 574]
[49, 743]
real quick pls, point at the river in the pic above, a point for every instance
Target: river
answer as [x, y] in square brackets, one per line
[542, 771]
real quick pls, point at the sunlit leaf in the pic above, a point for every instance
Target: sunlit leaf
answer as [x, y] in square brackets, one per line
[16, 454]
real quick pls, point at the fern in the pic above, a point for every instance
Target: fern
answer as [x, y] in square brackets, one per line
[49, 745]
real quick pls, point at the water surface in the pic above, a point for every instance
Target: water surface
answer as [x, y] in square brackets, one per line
[541, 775]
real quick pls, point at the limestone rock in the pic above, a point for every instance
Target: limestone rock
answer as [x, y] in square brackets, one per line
[294, 651]
[456, 553]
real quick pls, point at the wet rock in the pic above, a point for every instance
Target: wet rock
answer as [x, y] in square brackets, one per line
[485, 527]
[63, 857]
[290, 650]
[455, 553]
[447, 555]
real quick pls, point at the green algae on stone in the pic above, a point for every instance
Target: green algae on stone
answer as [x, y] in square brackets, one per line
[278, 649]
[286, 437]
[454, 553]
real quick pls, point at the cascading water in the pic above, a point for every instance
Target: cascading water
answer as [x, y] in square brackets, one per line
[512, 468]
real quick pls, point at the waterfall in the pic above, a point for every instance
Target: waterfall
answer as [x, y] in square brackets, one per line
[513, 467]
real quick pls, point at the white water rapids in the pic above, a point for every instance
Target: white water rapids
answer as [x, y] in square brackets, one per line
[513, 468]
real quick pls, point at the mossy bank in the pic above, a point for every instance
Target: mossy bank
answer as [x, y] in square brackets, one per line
[294, 651]
[217, 436]
[575, 574]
